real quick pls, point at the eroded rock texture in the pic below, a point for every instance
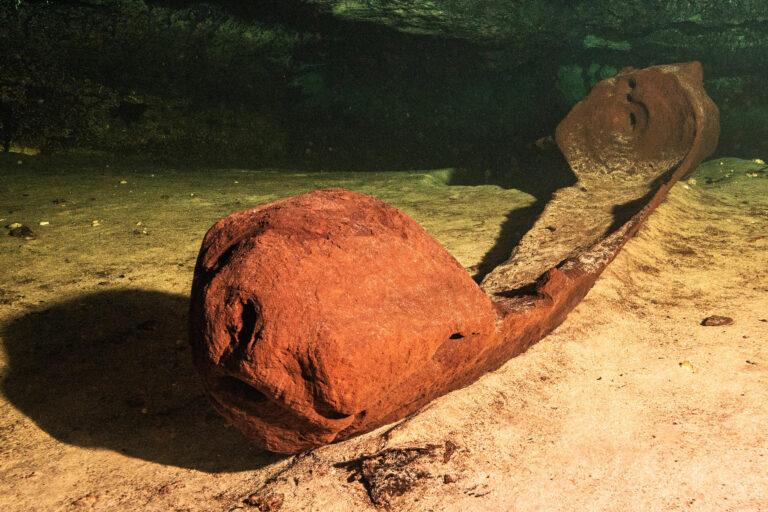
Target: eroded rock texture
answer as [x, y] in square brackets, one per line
[328, 314]
[633, 133]
[311, 314]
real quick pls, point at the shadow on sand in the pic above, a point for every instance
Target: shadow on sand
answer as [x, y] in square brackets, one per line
[536, 172]
[112, 370]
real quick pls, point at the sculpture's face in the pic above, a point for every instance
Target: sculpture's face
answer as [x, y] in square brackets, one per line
[635, 126]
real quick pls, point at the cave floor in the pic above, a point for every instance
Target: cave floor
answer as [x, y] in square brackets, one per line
[630, 404]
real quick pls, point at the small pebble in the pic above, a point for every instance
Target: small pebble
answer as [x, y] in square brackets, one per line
[123, 182]
[22, 231]
[95, 223]
[45, 223]
[686, 365]
[266, 503]
[717, 320]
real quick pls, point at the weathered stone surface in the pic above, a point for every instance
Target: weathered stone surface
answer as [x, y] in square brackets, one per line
[328, 314]
[310, 313]
[621, 142]
[522, 20]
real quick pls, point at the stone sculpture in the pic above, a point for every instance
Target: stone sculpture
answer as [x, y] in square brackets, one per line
[329, 314]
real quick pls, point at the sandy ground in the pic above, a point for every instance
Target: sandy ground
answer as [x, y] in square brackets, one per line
[629, 405]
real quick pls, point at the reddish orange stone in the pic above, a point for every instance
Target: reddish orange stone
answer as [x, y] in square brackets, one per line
[331, 313]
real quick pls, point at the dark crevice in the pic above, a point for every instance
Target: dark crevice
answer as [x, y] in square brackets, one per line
[222, 260]
[236, 388]
[320, 405]
[529, 290]
[242, 331]
[249, 318]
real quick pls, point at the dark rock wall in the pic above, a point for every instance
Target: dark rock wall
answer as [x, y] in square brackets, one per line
[124, 76]
[353, 83]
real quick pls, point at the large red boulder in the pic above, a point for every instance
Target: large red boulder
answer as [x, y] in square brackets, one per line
[309, 313]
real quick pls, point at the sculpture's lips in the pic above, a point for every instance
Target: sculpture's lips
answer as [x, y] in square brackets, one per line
[329, 314]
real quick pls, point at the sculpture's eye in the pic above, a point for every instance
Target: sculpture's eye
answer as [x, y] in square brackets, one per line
[632, 83]
[632, 119]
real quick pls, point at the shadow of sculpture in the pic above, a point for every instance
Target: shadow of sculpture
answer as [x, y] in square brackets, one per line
[112, 370]
[538, 172]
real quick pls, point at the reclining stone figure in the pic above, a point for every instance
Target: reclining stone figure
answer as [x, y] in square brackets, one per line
[325, 315]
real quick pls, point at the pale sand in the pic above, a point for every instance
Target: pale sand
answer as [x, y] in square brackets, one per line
[101, 410]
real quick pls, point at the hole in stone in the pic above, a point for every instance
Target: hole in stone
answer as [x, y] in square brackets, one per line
[632, 119]
[248, 316]
[629, 98]
[456, 336]
[327, 411]
[238, 388]
[632, 83]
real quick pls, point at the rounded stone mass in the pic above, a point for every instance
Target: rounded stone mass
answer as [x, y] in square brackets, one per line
[327, 314]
